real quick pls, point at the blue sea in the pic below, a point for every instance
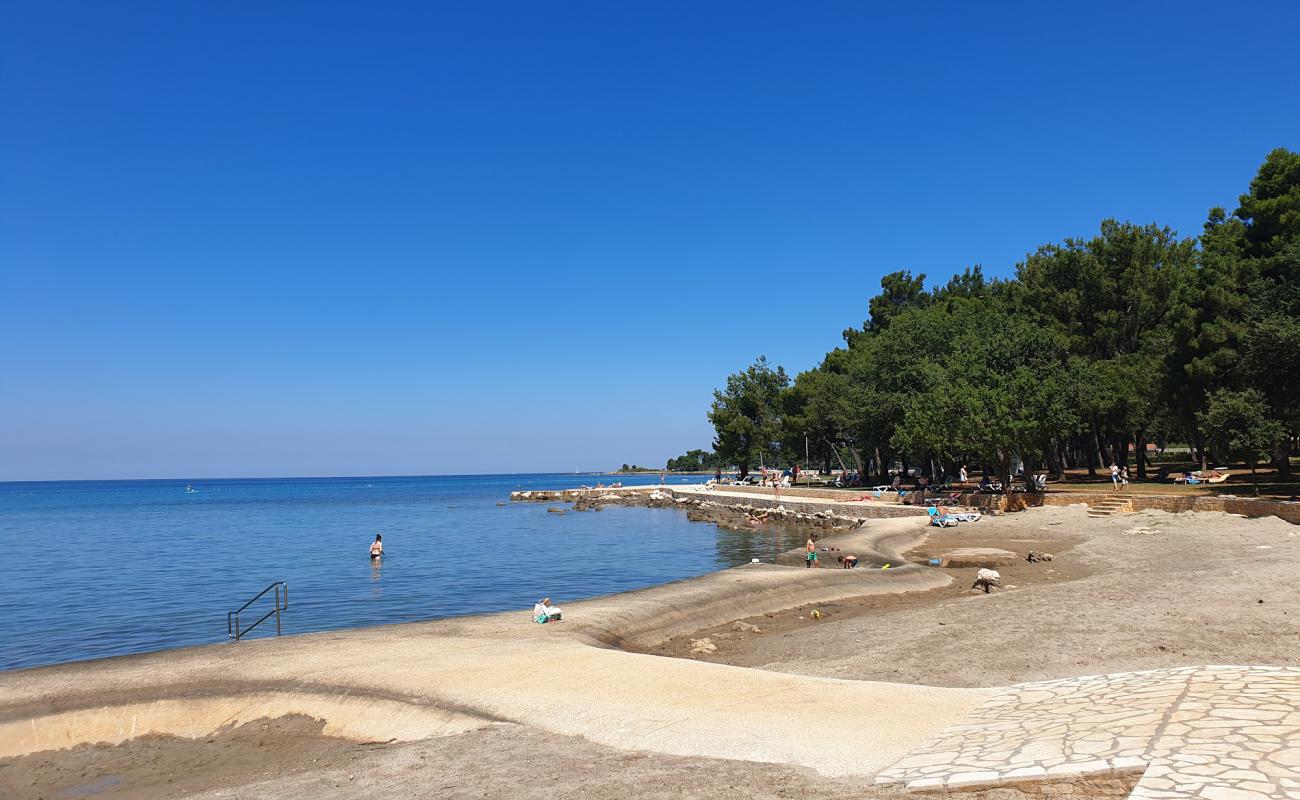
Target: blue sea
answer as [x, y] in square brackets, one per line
[103, 568]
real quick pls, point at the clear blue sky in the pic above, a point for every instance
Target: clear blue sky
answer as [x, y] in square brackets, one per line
[246, 239]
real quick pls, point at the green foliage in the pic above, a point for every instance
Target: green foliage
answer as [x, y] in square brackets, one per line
[1098, 344]
[1271, 211]
[1237, 425]
[746, 415]
[695, 461]
[998, 386]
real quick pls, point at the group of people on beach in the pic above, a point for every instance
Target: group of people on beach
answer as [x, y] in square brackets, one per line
[1119, 477]
[845, 560]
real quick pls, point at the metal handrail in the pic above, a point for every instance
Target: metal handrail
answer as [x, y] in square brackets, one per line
[232, 617]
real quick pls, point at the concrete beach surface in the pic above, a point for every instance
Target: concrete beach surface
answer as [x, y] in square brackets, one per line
[875, 702]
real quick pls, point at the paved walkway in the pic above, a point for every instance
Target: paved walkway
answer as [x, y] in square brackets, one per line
[1223, 733]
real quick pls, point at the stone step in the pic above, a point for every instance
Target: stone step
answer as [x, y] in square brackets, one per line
[1111, 505]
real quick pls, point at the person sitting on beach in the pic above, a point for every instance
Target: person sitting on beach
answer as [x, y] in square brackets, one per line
[849, 561]
[377, 548]
[544, 612]
[988, 580]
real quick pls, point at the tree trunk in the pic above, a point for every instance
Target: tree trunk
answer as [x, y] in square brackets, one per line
[1284, 459]
[1140, 445]
[844, 470]
[1254, 478]
[1095, 449]
[1004, 469]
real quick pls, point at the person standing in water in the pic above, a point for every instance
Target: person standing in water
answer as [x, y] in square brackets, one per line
[377, 548]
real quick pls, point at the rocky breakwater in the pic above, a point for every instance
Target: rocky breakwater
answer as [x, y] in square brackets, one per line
[573, 495]
[725, 512]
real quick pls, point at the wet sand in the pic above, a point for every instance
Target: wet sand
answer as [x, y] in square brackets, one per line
[1132, 592]
[738, 644]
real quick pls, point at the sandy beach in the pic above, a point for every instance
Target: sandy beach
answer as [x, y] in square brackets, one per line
[790, 705]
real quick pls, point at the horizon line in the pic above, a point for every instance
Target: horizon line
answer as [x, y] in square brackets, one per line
[319, 477]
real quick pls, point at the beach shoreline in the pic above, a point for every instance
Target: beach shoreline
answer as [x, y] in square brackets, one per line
[470, 676]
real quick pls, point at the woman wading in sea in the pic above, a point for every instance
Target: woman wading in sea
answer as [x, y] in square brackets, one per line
[377, 548]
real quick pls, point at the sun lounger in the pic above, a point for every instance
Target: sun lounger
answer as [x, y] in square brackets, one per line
[944, 521]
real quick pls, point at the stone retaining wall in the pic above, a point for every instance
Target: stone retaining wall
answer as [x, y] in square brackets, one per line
[1245, 506]
[800, 491]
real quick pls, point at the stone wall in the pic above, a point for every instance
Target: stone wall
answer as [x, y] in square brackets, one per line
[1174, 504]
[800, 491]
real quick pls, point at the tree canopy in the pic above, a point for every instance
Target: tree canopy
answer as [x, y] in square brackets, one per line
[1096, 345]
[747, 415]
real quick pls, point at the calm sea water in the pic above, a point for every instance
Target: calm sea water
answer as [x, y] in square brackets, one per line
[102, 568]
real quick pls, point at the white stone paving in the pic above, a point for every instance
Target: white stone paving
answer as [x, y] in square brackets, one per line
[1222, 733]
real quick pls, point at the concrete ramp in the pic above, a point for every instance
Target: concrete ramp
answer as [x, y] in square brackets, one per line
[414, 687]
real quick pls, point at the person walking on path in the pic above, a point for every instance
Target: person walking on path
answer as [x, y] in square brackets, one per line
[1123, 478]
[1114, 475]
[661, 478]
[811, 558]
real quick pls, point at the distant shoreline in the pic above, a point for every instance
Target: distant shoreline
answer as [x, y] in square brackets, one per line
[198, 479]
